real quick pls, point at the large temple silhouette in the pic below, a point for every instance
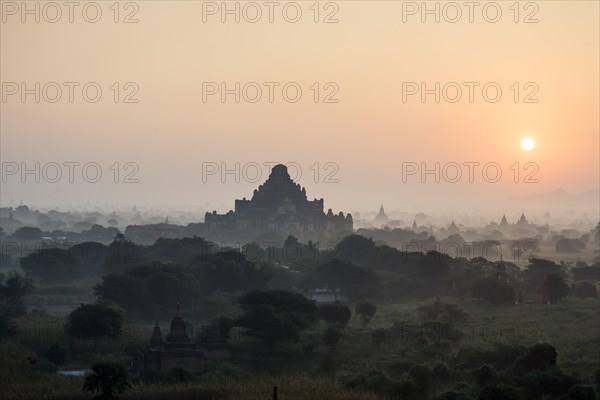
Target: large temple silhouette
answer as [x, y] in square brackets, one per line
[279, 205]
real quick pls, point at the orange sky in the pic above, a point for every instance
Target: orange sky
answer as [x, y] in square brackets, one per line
[369, 133]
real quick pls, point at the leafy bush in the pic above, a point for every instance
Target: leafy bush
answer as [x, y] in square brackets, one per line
[439, 311]
[7, 327]
[379, 335]
[335, 313]
[492, 291]
[583, 289]
[107, 380]
[548, 382]
[180, 375]
[366, 310]
[500, 392]
[485, 375]
[56, 354]
[422, 377]
[441, 372]
[556, 287]
[501, 356]
[275, 315]
[355, 282]
[540, 356]
[404, 390]
[332, 336]
[580, 392]
[452, 395]
[372, 381]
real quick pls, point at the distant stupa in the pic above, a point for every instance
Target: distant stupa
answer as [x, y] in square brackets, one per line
[522, 220]
[453, 228]
[381, 218]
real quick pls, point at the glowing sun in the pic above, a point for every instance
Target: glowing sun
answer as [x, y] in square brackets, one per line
[527, 144]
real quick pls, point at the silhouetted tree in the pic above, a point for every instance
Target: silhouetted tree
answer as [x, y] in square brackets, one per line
[96, 321]
[581, 392]
[275, 315]
[584, 289]
[13, 293]
[492, 291]
[332, 336]
[366, 310]
[355, 282]
[540, 356]
[28, 233]
[378, 336]
[556, 287]
[485, 375]
[422, 377]
[335, 313]
[500, 392]
[107, 380]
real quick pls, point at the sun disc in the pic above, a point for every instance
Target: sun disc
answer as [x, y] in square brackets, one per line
[527, 144]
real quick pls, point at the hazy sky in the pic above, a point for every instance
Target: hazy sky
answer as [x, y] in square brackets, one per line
[366, 58]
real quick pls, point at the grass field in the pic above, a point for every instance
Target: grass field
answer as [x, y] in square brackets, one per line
[572, 326]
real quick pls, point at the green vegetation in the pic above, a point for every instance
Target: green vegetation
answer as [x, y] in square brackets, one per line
[96, 321]
[366, 311]
[108, 379]
[416, 326]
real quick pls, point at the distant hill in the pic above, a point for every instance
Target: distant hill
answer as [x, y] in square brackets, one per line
[560, 198]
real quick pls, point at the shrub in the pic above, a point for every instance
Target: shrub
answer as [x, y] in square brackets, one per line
[107, 380]
[540, 356]
[492, 291]
[366, 310]
[485, 375]
[371, 381]
[500, 392]
[583, 289]
[580, 392]
[422, 376]
[404, 390]
[501, 356]
[452, 395]
[335, 313]
[379, 335]
[446, 312]
[180, 375]
[548, 382]
[441, 372]
[327, 362]
[332, 336]
[556, 288]
[56, 354]
[7, 327]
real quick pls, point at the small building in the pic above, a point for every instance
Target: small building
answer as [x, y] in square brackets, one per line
[179, 350]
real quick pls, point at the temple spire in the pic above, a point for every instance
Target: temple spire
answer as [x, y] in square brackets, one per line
[178, 333]
[156, 338]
